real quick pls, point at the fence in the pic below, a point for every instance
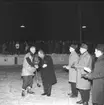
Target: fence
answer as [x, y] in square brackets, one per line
[18, 60]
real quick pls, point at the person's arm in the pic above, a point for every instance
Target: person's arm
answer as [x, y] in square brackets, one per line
[97, 74]
[29, 62]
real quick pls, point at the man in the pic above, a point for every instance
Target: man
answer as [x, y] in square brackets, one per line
[73, 59]
[28, 71]
[47, 72]
[98, 77]
[84, 85]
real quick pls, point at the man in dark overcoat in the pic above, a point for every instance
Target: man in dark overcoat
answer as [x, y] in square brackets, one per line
[98, 77]
[47, 72]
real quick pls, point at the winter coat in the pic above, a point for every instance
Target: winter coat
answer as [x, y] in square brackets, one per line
[73, 59]
[27, 68]
[98, 81]
[47, 74]
[85, 60]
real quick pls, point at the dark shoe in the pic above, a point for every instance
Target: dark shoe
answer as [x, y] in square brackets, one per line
[85, 103]
[48, 94]
[69, 94]
[44, 94]
[73, 96]
[79, 102]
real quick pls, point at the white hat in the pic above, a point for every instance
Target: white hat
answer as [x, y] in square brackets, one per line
[33, 49]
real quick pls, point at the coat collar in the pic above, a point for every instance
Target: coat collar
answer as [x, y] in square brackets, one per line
[85, 53]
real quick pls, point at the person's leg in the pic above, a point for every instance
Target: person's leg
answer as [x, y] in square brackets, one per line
[82, 97]
[86, 97]
[70, 93]
[74, 89]
[45, 87]
[30, 84]
[24, 85]
[49, 89]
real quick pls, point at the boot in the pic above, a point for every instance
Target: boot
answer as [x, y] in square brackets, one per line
[44, 94]
[29, 91]
[79, 102]
[73, 96]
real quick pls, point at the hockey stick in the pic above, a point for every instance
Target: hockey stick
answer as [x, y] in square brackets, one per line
[37, 81]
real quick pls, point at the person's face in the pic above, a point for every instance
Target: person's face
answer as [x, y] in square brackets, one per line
[82, 50]
[71, 49]
[33, 50]
[98, 53]
[41, 55]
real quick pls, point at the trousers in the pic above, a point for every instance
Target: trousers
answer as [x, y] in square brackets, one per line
[27, 81]
[85, 95]
[74, 89]
[47, 88]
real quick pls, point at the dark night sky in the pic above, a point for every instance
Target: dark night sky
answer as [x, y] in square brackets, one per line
[51, 20]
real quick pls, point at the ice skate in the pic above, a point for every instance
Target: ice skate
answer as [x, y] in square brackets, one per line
[29, 91]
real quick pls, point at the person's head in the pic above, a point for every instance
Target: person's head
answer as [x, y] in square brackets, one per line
[99, 50]
[41, 54]
[83, 48]
[32, 50]
[73, 47]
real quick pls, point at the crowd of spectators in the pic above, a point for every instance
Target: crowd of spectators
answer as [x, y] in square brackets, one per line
[50, 46]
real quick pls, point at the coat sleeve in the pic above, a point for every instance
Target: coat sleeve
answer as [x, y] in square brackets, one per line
[29, 62]
[97, 74]
[49, 61]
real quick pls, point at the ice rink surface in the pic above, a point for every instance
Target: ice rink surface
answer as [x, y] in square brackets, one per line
[11, 83]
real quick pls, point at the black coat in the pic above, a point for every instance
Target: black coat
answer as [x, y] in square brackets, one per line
[48, 74]
[98, 81]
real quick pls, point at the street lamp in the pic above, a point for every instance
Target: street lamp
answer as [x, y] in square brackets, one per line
[22, 26]
[83, 26]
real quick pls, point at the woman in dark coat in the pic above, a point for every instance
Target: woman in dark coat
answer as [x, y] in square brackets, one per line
[47, 72]
[98, 77]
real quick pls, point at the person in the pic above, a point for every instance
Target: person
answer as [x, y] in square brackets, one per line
[97, 76]
[29, 67]
[47, 72]
[17, 47]
[83, 85]
[73, 58]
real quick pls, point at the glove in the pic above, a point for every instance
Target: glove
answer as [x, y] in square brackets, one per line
[36, 66]
[88, 70]
[64, 66]
[45, 65]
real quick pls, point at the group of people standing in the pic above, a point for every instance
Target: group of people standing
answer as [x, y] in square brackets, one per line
[83, 76]
[31, 63]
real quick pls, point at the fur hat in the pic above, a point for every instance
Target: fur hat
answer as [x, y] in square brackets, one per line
[84, 46]
[100, 47]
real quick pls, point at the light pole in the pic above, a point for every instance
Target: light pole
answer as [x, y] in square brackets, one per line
[80, 22]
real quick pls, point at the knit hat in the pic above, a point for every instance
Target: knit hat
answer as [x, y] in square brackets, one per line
[84, 46]
[100, 47]
[74, 46]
